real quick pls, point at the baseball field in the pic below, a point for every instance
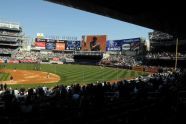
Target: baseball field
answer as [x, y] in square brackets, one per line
[32, 75]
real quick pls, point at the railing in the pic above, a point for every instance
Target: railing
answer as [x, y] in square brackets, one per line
[88, 53]
[5, 33]
[7, 38]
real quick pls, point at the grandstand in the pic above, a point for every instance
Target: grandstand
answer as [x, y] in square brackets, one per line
[163, 50]
[162, 42]
[11, 39]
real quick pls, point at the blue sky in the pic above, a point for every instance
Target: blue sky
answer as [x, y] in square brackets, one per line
[37, 16]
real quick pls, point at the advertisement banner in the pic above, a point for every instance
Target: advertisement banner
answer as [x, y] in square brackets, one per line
[114, 45]
[94, 43]
[70, 45]
[60, 46]
[132, 44]
[77, 45]
[13, 61]
[51, 40]
[73, 45]
[40, 40]
[40, 44]
[126, 47]
[50, 46]
[55, 59]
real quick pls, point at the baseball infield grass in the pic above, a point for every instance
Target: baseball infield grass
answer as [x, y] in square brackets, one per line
[72, 74]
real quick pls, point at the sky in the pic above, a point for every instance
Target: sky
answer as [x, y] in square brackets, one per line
[38, 16]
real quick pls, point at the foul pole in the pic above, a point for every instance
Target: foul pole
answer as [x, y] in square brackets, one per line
[176, 59]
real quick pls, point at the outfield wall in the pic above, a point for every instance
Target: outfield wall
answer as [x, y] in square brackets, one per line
[81, 60]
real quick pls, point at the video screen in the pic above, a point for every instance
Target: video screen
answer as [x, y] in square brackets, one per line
[60, 46]
[94, 43]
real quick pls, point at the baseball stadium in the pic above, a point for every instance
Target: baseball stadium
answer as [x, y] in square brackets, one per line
[92, 78]
[51, 62]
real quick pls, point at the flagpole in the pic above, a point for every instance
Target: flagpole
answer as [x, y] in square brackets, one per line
[176, 59]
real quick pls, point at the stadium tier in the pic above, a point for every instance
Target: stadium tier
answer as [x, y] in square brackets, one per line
[163, 50]
[162, 42]
[11, 39]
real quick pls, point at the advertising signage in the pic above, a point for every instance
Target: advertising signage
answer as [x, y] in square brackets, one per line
[60, 46]
[40, 44]
[124, 44]
[73, 45]
[50, 46]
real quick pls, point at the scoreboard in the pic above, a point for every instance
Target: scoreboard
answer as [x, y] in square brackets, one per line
[59, 45]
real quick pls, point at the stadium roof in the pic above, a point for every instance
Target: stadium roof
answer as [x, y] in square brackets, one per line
[166, 17]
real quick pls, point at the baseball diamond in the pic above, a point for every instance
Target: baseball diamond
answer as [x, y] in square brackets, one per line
[64, 74]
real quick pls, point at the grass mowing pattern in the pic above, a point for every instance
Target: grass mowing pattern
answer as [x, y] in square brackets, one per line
[4, 76]
[82, 74]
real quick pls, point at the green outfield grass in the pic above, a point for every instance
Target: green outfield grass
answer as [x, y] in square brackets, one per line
[4, 76]
[82, 74]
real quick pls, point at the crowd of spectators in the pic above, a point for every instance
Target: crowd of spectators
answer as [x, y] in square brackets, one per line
[39, 56]
[120, 60]
[26, 55]
[149, 99]
[165, 55]
[159, 36]
[2, 58]
[6, 51]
